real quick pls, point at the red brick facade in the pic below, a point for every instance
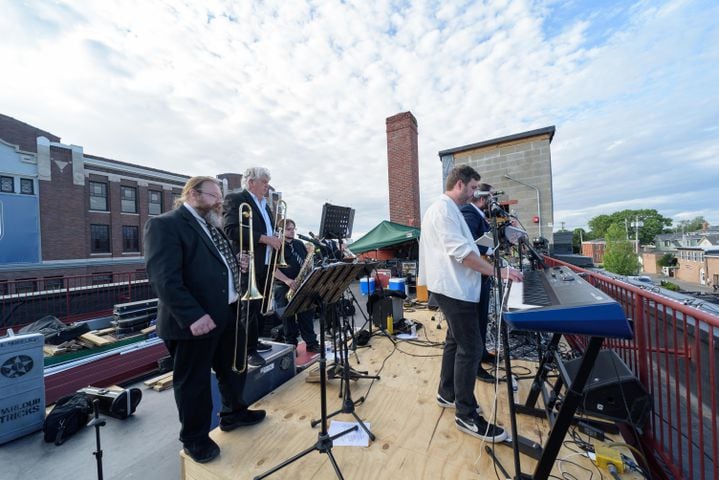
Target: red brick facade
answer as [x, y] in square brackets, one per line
[403, 169]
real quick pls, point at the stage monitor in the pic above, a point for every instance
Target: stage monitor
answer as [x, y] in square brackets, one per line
[336, 222]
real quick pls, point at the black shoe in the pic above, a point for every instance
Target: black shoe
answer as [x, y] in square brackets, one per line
[264, 347]
[490, 359]
[477, 426]
[241, 419]
[314, 348]
[256, 360]
[202, 451]
[485, 376]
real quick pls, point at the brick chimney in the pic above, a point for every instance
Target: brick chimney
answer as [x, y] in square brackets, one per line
[403, 169]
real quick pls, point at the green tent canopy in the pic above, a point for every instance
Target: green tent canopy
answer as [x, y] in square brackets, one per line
[384, 235]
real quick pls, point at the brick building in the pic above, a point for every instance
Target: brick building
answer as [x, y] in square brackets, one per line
[518, 164]
[64, 212]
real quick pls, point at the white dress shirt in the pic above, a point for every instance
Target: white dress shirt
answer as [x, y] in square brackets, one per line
[444, 244]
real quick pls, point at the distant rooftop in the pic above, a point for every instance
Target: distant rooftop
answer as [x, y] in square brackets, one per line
[509, 138]
[21, 134]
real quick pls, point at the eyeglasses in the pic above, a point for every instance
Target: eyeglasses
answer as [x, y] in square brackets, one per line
[216, 197]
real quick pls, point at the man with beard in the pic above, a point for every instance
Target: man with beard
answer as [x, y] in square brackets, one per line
[196, 277]
[474, 215]
[257, 185]
[451, 267]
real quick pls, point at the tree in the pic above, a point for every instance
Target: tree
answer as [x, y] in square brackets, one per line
[653, 223]
[578, 236]
[667, 260]
[619, 256]
[693, 225]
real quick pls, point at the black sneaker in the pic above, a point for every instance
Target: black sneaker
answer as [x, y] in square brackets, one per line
[484, 376]
[477, 426]
[241, 419]
[444, 403]
[256, 360]
[202, 451]
[314, 348]
[264, 347]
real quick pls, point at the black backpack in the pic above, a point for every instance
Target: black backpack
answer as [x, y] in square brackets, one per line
[70, 414]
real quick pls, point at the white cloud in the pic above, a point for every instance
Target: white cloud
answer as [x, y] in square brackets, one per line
[304, 88]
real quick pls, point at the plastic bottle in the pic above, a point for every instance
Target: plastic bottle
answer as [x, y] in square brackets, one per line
[390, 324]
[413, 329]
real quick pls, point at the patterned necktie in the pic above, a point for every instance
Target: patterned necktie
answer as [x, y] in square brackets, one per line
[224, 247]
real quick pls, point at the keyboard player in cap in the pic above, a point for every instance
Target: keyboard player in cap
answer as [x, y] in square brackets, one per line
[474, 215]
[452, 268]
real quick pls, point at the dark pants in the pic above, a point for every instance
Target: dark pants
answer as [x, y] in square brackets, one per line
[192, 360]
[256, 318]
[484, 314]
[462, 352]
[300, 324]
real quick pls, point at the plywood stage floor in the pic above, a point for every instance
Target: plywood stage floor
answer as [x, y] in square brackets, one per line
[416, 439]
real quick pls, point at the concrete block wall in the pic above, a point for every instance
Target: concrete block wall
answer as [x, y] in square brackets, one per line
[527, 160]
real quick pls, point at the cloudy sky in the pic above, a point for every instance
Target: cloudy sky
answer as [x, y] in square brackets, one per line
[304, 87]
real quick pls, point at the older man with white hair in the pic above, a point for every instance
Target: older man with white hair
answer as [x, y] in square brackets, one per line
[257, 185]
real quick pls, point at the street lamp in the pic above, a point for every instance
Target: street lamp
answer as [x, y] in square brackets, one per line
[539, 205]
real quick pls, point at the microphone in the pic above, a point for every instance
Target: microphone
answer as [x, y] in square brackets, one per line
[480, 194]
[498, 211]
[308, 239]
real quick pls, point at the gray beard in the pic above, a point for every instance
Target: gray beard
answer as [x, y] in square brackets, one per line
[214, 218]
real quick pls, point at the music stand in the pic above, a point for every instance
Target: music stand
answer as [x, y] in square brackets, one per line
[336, 222]
[323, 286]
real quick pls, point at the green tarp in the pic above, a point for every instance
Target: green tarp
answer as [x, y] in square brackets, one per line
[384, 235]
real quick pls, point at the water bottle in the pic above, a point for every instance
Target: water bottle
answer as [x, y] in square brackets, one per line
[413, 330]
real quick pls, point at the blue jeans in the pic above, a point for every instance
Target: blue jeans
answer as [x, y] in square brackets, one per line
[462, 351]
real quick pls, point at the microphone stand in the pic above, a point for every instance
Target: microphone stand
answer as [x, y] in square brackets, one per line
[98, 422]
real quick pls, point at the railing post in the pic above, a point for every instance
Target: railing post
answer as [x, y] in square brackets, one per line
[640, 338]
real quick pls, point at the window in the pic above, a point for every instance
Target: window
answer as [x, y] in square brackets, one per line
[3, 287]
[98, 196]
[100, 238]
[25, 285]
[101, 278]
[27, 186]
[54, 283]
[155, 202]
[129, 199]
[176, 197]
[130, 239]
[7, 184]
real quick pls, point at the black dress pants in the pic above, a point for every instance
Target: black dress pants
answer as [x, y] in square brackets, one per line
[192, 360]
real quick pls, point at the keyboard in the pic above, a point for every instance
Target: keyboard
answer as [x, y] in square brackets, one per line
[558, 300]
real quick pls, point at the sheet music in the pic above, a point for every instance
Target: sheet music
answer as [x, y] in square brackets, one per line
[485, 240]
[358, 438]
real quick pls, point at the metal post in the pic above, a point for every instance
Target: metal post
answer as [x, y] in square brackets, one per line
[539, 203]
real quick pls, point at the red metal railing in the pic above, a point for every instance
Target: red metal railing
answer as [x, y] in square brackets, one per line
[76, 298]
[673, 354]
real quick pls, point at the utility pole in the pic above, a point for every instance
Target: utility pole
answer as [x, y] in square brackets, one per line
[636, 224]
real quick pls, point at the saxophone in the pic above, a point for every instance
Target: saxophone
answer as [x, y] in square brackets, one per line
[305, 269]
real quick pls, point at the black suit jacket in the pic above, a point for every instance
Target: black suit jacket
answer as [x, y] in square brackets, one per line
[230, 211]
[187, 274]
[477, 224]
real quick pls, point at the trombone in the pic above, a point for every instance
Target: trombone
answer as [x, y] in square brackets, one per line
[252, 293]
[277, 259]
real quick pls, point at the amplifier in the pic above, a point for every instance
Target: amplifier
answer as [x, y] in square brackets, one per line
[384, 307]
[612, 391]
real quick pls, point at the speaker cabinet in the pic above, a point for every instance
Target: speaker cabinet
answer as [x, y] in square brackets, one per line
[384, 307]
[612, 391]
